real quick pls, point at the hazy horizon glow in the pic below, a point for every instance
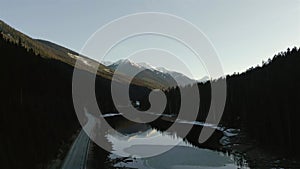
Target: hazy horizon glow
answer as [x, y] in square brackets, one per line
[244, 33]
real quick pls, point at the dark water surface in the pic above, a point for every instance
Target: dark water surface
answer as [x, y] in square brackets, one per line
[149, 146]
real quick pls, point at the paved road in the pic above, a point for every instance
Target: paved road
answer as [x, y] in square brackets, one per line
[77, 155]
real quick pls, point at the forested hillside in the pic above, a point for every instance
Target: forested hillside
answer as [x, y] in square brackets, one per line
[49, 50]
[36, 108]
[37, 113]
[263, 101]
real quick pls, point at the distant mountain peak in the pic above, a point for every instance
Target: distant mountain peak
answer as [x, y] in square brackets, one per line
[204, 79]
[125, 62]
[162, 75]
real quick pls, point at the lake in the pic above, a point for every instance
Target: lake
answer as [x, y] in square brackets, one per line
[146, 146]
[151, 146]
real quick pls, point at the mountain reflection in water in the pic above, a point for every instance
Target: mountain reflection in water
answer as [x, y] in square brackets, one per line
[145, 147]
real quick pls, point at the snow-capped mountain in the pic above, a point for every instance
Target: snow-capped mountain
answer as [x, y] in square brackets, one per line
[183, 79]
[204, 79]
[148, 72]
[106, 63]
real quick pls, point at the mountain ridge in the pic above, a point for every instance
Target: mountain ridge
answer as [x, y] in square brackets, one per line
[50, 50]
[164, 76]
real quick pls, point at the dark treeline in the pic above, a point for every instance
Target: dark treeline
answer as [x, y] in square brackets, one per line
[36, 109]
[263, 101]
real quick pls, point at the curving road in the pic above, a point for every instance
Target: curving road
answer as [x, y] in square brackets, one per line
[77, 156]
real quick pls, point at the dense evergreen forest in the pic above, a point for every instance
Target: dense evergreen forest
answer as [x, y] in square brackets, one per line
[263, 101]
[37, 114]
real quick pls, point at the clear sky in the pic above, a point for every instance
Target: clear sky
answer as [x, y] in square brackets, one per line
[244, 32]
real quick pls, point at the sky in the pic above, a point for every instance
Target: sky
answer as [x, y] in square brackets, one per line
[244, 33]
